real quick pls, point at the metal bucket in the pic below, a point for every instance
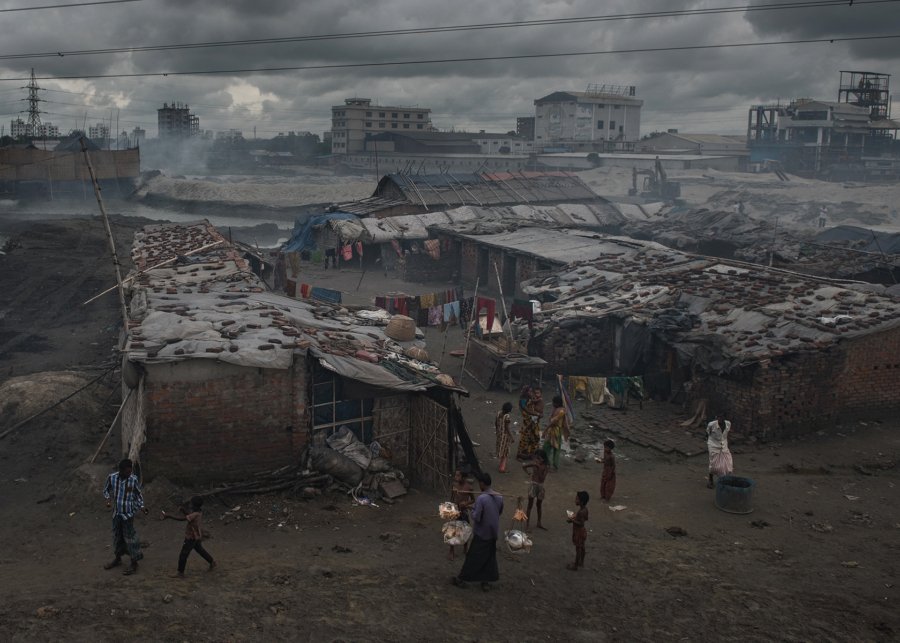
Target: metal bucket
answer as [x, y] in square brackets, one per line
[734, 494]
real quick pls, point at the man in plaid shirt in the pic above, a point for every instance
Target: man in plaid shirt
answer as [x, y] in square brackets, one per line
[123, 493]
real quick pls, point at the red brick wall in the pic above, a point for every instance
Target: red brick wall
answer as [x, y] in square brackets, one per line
[809, 391]
[212, 421]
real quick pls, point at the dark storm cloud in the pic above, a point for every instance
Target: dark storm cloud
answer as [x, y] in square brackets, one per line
[691, 90]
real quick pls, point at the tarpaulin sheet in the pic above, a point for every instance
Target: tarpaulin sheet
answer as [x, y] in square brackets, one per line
[301, 238]
[366, 372]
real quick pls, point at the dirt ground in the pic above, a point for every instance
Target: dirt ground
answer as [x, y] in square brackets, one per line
[817, 560]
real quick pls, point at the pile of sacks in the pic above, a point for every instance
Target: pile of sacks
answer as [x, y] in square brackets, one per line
[353, 463]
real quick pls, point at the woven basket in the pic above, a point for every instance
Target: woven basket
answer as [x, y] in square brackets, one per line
[401, 328]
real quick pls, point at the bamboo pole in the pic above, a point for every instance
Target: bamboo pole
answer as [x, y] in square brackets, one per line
[146, 270]
[503, 303]
[113, 424]
[462, 371]
[109, 234]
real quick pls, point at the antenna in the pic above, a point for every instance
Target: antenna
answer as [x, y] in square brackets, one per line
[34, 112]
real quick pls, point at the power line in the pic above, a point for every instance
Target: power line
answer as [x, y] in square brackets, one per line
[809, 4]
[438, 61]
[67, 6]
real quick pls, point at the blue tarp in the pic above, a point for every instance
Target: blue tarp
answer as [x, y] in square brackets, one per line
[301, 238]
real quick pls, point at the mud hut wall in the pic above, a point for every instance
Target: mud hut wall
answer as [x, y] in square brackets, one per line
[208, 420]
[391, 429]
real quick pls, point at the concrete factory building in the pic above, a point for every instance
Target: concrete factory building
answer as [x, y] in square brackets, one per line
[358, 117]
[604, 117]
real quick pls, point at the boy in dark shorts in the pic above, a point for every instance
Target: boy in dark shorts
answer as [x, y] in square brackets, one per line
[539, 471]
[193, 534]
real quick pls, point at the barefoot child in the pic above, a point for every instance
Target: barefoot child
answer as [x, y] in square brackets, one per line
[462, 496]
[193, 533]
[579, 531]
[608, 477]
[536, 492]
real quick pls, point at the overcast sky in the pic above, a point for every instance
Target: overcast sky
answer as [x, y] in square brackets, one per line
[694, 91]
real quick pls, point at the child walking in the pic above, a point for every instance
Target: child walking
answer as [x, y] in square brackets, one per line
[579, 531]
[193, 534]
[608, 477]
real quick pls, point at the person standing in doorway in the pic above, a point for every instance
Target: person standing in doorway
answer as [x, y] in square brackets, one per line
[504, 435]
[481, 560]
[123, 494]
[557, 431]
[720, 461]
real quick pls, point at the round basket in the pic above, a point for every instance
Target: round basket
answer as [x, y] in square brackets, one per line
[734, 494]
[401, 328]
[417, 353]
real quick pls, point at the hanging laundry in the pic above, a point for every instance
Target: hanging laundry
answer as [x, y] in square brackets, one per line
[427, 301]
[485, 302]
[433, 248]
[326, 294]
[396, 246]
[451, 312]
[435, 315]
[380, 303]
[347, 252]
[304, 290]
[465, 311]
[521, 309]
[358, 245]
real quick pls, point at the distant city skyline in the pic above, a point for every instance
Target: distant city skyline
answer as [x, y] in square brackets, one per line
[704, 90]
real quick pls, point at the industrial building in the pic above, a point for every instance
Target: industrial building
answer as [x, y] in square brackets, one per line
[672, 142]
[175, 121]
[828, 138]
[602, 118]
[357, 118]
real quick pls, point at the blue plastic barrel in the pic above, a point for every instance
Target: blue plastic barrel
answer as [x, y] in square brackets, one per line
[734, 494]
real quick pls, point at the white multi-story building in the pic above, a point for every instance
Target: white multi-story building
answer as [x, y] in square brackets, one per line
[19, 128]
[98, 132]
[600, 118]
[358, 117]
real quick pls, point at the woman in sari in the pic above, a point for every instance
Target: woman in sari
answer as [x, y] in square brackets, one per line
[531, 402]
[557, 431]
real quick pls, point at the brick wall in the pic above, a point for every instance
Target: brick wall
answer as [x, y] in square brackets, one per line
[207, 420]
[577, 348]
[808, 391]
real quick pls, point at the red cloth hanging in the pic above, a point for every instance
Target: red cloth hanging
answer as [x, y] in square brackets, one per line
[347, 252]
[484, 302]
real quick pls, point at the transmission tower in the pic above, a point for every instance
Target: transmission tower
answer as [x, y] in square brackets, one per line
[34, 112]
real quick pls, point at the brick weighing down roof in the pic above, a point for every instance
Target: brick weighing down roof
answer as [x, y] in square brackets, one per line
[194, 297]
[737, 313]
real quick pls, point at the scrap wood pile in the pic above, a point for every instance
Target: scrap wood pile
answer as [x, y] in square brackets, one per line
[292, 479]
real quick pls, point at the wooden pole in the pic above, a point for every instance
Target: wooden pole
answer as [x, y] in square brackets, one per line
[503, 303]
[109, 235]
[113, 424]
[475, 313]
[159, 265]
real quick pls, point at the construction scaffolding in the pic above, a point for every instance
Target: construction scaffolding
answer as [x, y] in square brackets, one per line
[868, 89]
